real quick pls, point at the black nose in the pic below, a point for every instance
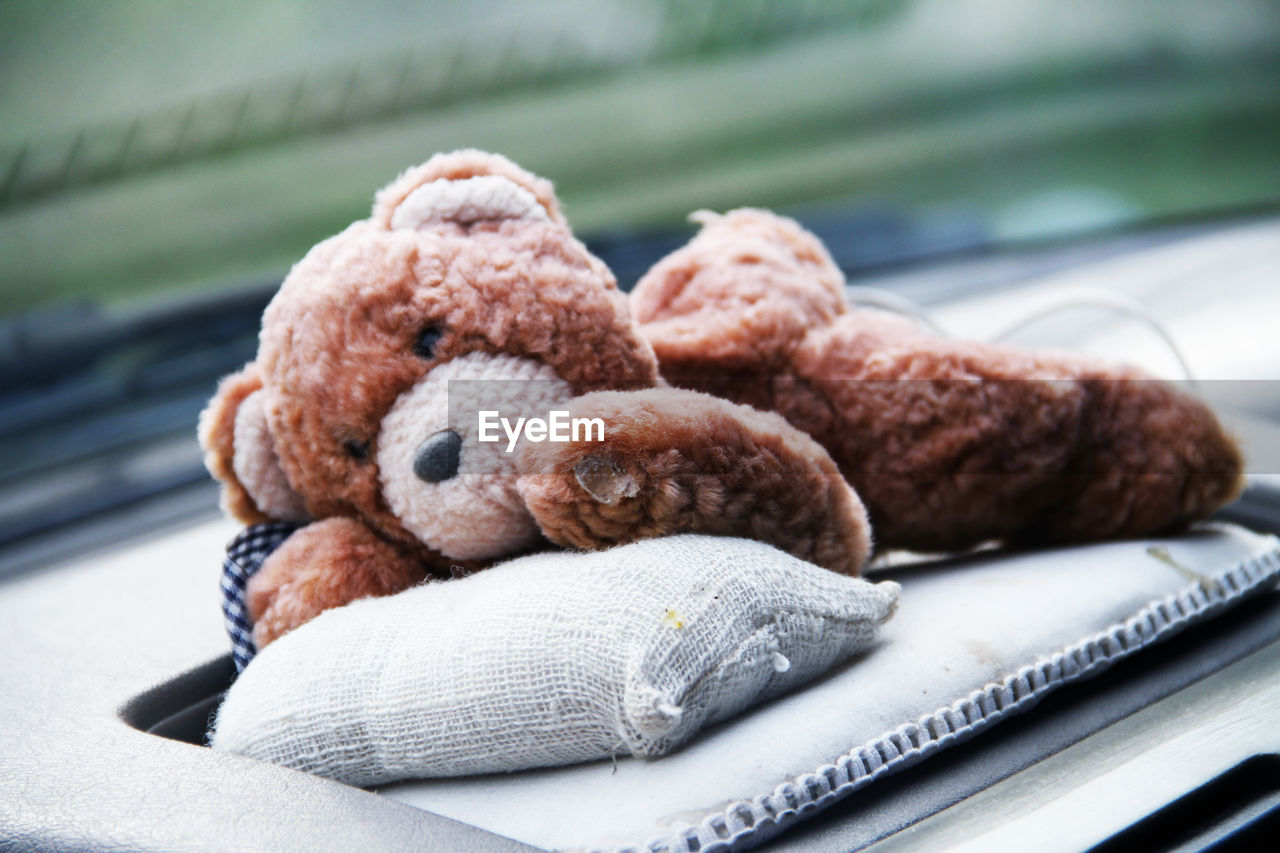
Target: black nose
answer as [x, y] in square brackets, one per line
[437, 457]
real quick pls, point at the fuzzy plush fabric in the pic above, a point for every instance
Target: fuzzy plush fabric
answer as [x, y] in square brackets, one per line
[466, 272]
[948, 443]
[337, 347]
[257, 465]
[488, 198]
[675, 461]
[217, 431]
[461, 166]
[245, 556]
[323, 565]
[477, 513]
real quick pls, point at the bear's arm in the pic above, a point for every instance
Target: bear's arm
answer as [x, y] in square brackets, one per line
[676, 461]
[326, 564]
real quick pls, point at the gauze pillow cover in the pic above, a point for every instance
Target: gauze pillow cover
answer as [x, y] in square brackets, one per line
[546, 660]
[977, 639]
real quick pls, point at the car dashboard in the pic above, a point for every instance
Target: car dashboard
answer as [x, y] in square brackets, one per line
[116, 655]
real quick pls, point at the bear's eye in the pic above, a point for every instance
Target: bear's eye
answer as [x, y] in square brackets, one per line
[357, 450]
[425, 345]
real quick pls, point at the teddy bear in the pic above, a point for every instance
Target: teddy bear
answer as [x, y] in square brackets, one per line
[465, 297]
[790, 417]
[949, 443]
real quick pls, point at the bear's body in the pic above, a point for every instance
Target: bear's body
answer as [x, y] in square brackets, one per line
[948, 443]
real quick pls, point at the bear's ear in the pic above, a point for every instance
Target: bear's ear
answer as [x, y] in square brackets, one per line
[465, 187]
[240, 453]
[740, 295]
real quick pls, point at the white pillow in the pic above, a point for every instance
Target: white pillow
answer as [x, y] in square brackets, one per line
[546, 660]
[979, 638]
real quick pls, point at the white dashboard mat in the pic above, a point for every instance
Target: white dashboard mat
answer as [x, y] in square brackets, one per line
[975, 639]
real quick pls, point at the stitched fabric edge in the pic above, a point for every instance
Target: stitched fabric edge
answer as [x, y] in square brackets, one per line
[749, 822]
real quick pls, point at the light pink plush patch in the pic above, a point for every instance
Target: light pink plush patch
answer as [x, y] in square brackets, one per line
[257, 466]
[486, 198]
[478, 513]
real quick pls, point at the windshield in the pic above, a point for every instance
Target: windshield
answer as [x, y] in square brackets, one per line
[163, 165]
[152, 148]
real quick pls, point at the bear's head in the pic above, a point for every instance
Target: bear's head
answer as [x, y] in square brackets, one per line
[466, 270]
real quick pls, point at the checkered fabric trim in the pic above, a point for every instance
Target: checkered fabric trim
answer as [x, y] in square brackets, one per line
[244, 557]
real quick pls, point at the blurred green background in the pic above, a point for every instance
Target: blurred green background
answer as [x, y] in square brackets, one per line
[159, 147]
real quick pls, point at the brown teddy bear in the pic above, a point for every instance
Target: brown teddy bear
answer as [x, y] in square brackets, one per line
[465, 293]
[948, 443]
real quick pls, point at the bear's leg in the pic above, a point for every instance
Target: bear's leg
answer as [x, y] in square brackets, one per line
[1151, 460]
[675, 461]
[325, 564]
[951, 443]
